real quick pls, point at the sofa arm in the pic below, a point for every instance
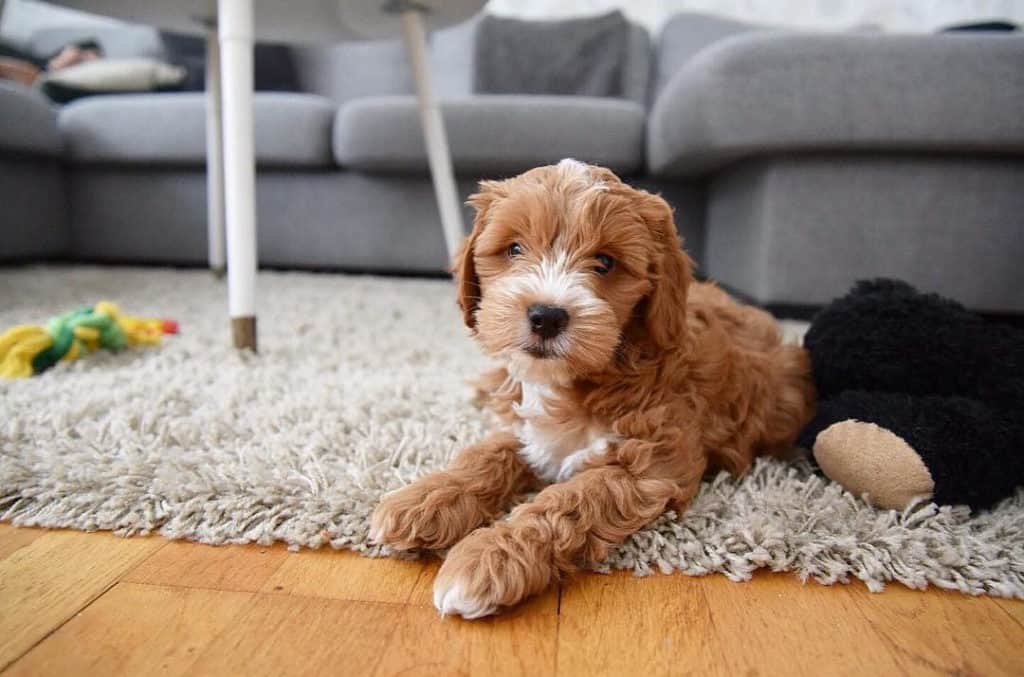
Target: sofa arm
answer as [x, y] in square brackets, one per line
[29, 122]
[782, 92]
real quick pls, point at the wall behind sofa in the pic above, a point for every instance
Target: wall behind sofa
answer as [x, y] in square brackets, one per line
[18, 18]
[889, 15]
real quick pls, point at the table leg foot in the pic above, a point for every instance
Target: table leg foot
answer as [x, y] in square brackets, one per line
[243, 330]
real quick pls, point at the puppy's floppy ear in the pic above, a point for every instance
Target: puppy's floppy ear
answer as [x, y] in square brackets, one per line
[606, 175]
[464, 267]
[671, 273]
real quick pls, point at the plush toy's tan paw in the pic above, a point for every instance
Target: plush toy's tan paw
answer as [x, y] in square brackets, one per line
[866, 458]
[490, 569]
[433, 513]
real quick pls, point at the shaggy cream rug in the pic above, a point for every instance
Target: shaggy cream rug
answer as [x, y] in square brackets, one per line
[360, 387]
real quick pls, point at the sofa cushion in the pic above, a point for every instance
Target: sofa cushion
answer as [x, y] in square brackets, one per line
[29, 122]
[492, 134]
[453, 70]
[109, 76]
[292, 130]
[581, 56]
[775, 92]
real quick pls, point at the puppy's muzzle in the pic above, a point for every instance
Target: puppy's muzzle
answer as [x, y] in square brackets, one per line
[546, 321]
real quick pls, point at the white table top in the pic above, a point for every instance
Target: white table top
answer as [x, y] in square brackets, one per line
[288, 20]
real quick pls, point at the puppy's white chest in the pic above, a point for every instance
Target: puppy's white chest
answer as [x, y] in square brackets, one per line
[556, 448]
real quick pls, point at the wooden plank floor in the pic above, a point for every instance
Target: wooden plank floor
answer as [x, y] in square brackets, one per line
[95, 604]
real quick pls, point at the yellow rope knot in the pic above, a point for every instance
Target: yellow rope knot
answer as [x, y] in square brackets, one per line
[30, 349]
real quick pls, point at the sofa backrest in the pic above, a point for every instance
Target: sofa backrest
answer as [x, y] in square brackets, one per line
[686, 34]
[451, 58]
[117, 42]
[638, 70]
[352, 70]
[357, 69]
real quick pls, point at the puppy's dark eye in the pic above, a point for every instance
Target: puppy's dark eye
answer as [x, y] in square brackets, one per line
[604, 264]
[515, 249]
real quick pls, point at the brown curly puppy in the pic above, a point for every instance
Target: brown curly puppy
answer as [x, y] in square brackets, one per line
[622, 380]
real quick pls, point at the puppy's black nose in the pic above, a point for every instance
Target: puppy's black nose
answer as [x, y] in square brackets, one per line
[547, 321]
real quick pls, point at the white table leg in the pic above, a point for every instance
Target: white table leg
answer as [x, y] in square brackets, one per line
[434, 135]
[234, 20]
[214, 156]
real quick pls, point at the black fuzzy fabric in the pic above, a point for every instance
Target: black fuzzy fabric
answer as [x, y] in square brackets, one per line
[947, 382]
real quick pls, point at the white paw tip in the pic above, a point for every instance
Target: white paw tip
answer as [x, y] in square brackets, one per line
[450, 600]
[378, 528]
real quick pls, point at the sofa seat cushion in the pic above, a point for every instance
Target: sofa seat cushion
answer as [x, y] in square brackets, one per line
[492, 134]
[775, 92]
[292, 130]
[29, 122]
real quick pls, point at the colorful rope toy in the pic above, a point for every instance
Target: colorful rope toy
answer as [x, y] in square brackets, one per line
[29, 349]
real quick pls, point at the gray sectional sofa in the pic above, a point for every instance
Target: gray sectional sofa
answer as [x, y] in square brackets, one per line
[797, 162]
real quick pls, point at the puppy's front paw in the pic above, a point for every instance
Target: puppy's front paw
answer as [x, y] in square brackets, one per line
[433, 513]
[452, 599]
[489, 569]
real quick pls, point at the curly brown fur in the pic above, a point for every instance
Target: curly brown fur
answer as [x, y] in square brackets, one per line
[442, 507]
[653, 379]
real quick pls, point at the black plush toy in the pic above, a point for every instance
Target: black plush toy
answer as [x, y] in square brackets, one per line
[917, 397]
